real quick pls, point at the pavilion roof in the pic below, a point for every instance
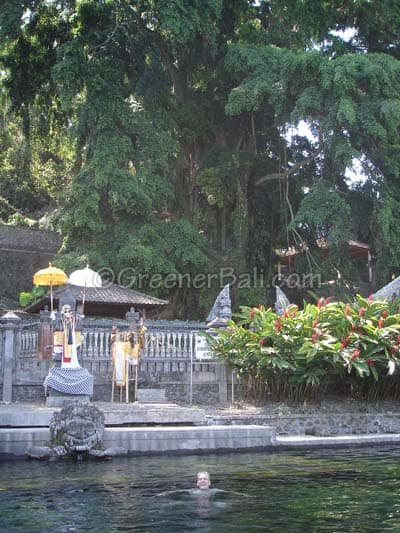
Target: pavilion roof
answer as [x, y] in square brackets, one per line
[110, 298]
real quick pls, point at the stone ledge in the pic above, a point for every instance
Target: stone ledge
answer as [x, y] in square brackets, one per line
[211, 438]
[300, 441]
[16, 441]
[194, 440]
[20, 415]
[153, 440]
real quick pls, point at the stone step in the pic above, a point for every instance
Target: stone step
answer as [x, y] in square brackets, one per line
[116, 414]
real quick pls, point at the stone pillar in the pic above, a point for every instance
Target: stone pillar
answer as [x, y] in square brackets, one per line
[222, 384]
[11, 324]
[45, 338]
[44, 315]
[218, 319]
[220, 368]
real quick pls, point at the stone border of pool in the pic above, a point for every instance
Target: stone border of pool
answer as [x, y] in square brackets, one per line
[153, 440]
[193, 440]
[155, 429]
[343, 441]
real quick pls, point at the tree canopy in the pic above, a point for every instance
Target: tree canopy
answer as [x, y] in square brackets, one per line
[163, 136]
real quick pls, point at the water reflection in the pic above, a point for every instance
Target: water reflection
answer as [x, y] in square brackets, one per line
[318, 491]
[201, 503]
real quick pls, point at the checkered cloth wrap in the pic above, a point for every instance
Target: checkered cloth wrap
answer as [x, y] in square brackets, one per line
[70, 381]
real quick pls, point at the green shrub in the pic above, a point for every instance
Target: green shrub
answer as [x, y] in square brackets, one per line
[27, 298]
[296, 356]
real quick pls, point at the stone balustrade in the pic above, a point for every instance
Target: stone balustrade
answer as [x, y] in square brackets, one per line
[168, 360]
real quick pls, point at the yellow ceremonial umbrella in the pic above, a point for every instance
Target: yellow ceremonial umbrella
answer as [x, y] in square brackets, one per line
[50, 276]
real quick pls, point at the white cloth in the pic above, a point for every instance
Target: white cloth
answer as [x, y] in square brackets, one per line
[74, 363]
[119, 363]
[72, 348]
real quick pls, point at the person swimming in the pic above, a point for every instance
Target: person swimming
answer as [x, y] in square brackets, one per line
[203, 480]
[203, 483]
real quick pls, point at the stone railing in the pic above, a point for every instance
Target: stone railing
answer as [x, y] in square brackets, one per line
[168, 359]
[27, 342]
[164, 340]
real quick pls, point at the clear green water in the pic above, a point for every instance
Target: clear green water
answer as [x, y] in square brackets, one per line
[317, 491]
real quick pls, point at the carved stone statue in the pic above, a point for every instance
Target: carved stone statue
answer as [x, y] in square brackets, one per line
[76, 432]
[79, 427]
[281, 302]
[390, 291]
[221, 311]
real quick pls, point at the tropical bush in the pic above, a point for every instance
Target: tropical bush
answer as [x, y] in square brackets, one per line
[27, 298]
[349, 348]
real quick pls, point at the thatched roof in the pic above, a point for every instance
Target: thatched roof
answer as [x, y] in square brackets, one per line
[113, 300]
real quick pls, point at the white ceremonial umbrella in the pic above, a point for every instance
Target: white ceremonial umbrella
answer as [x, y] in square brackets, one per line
[85, 277]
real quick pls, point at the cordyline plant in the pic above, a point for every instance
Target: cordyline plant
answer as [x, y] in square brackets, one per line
[353, 347]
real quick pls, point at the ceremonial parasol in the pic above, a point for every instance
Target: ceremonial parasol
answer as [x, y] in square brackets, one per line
[85, 277]
[50, 276]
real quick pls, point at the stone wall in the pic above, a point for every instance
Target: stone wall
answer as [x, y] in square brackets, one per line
[28, 393]
[176, 385]
[23, 251]
[178, 392]
[323, 425]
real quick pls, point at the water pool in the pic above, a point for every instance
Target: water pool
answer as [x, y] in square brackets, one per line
[354, 490]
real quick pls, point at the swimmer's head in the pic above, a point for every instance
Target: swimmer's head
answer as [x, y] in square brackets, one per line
[203, 480]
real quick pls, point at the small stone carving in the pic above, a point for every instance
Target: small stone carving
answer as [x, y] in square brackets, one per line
[222, 307]
[76, 432]
[79, 427]
[281, 302]
[390, 291]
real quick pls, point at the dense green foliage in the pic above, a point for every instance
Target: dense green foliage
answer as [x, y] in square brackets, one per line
[27, 298]
[157, 135]
[345, 348]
